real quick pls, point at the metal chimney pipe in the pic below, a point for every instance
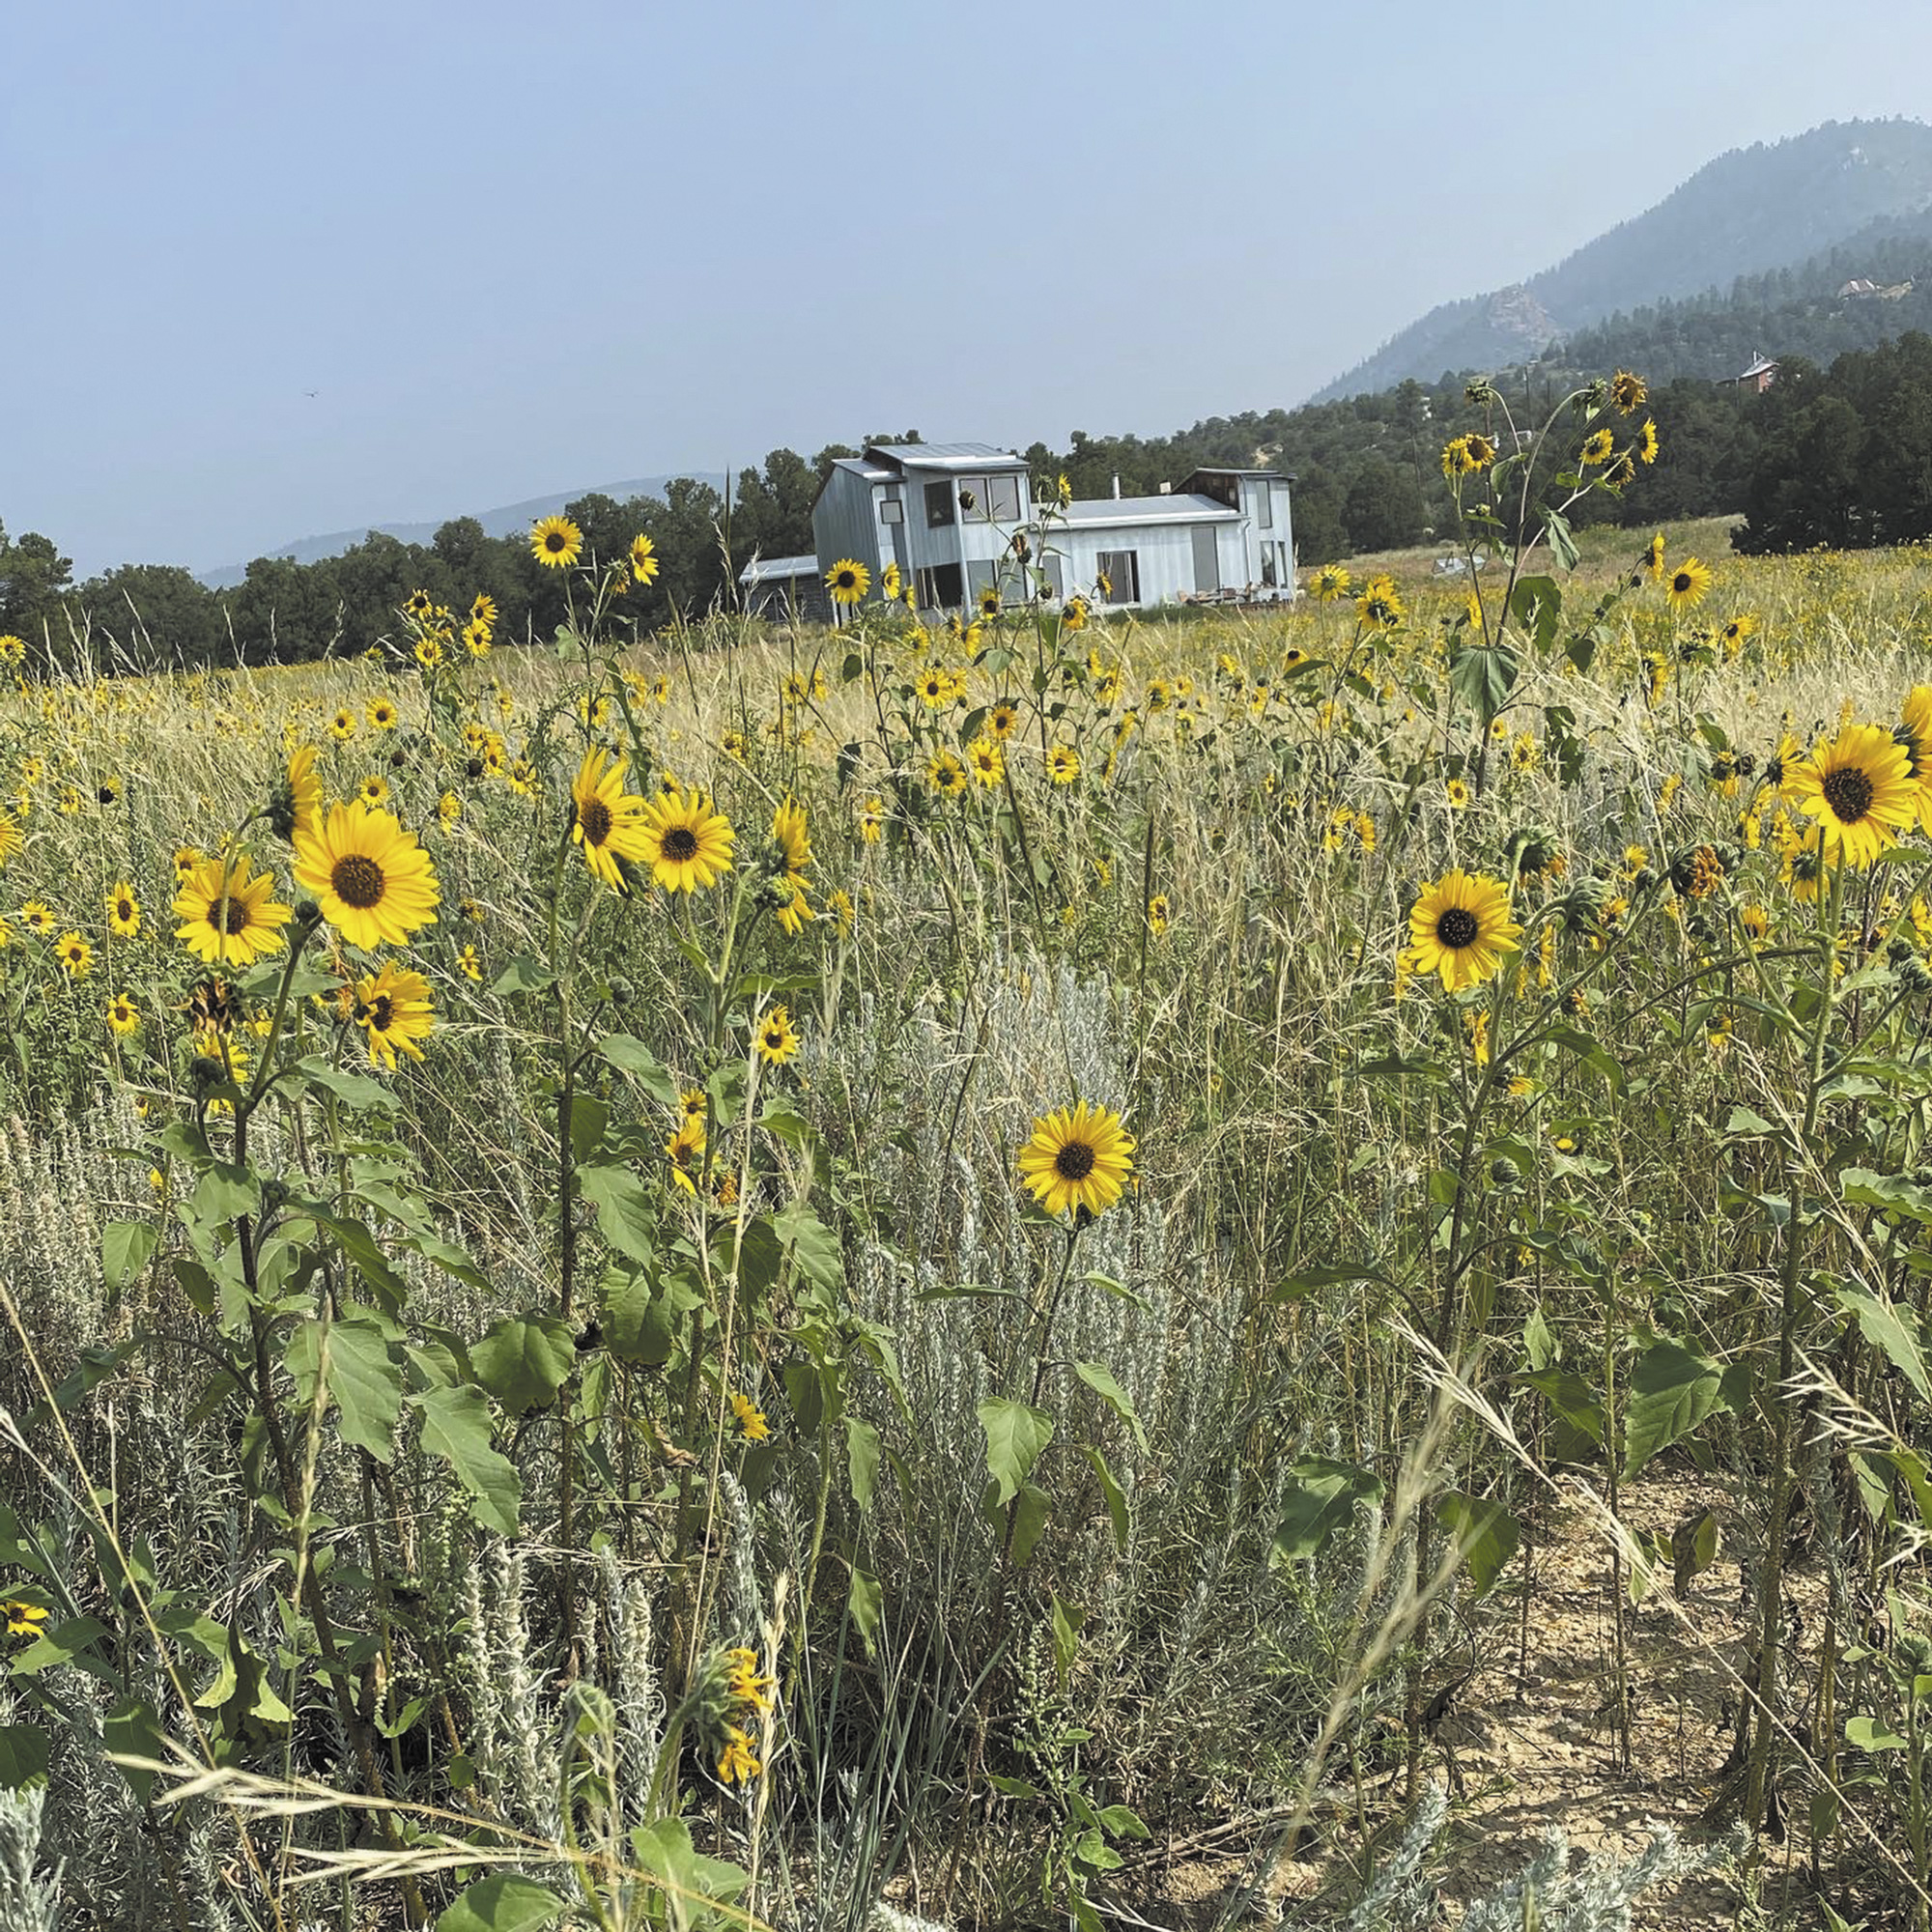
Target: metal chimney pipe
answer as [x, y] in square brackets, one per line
[1117, 487]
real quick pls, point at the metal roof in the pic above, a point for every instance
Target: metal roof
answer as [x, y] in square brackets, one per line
[777, 569]
[1235, 470]
[871, 472]
[946, 455]
[1092, 512]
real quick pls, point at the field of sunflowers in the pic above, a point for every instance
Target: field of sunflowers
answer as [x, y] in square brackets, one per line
[895, 1275]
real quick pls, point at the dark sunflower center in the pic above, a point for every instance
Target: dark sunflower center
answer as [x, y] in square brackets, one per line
[774, 1038]
[1848, 791]
[125, 908]
[228, 915]
[846, 580]
[594, 816]
[1074, 1161]
[1681, 583]
[1457, 928]
[357, 881]
[680, 844]
[557, 543]
[382, 1010]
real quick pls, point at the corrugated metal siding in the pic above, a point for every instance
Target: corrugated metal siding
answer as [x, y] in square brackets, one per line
[846, 521]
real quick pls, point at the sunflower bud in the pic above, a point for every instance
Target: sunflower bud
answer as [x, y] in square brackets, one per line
[205, 1073]
[1503, 1172]
[1915, 976]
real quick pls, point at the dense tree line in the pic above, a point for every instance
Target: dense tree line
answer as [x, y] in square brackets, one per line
[1843, 457]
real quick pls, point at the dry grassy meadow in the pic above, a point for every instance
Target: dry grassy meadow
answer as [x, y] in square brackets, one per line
[546, 1394]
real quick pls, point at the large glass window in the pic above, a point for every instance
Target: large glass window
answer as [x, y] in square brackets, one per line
[1003, 498]
[1120, 575]
[939, 502]
[892, 509]
[1264, 507]
[942, 587]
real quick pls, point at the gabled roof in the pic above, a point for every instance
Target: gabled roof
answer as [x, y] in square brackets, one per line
[1233, 470]
[1097, 512]
[871, 472]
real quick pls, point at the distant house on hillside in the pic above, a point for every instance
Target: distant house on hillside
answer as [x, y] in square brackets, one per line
[1758, 378]
[958, 520]
[1861, 288]
[1859, 285]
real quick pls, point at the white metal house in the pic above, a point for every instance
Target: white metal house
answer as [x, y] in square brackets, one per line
[956, 516]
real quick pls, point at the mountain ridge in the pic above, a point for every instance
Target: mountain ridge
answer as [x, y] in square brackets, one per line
[1750, 212]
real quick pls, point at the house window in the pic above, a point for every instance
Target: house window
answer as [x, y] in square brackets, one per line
[1003, 498]
[1267, 564]
[892, 510]
[1264, 507]
[973, 496]
[938, 504]
[942, 587]
[1119, 572]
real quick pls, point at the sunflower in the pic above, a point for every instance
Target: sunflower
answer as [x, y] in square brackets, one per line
[1461, 927]
[24, 1619]
[1330, 583]
[419, 604]
[945, 774]
[227, 916]
[935, 687]
[1687, 584]
[609, 821]
[483, 609]
[848, 580]
[76, 955]
[1158, 914]
[383, 715]
[1652, 564]
[1077, 1159]
[1597, 448]
[1738, 633]
[374, 790]
[1627, 392]
[687, 843]
[1647, 444]
[1860, 791]
[556, 542]
[1378, 605]
[776, 1038]
[123, 1015]
[1457, 793]
[38, 918]
[1003, 719]
[685, 1151]
[342, 726]
[989, 601]
[891, 584]
[394, 1008]
[1459, 457]
[1063, 764]
[644, 560]
[794, 843]
[873, 821]
[10, 836]
[749, 1418]
[13, 647]
[123, 910]
[468, 964]
[1073, 614]
[987, 761]
[374, 883]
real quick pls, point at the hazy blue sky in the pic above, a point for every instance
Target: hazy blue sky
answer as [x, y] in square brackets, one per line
[515, 250]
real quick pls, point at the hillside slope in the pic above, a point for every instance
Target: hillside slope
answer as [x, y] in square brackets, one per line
[1750, 212]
